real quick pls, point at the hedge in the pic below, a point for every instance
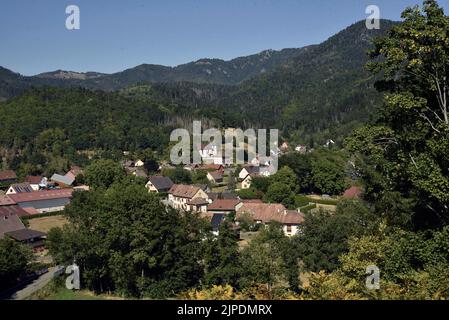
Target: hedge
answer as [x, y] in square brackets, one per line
[42, 215]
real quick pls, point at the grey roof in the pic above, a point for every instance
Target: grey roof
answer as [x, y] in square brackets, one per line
[25, 234]
[137, 171]
[22, 187]
[10, 223]
[222, 195]
[62, 179]
[216, 220]
[160, 182]
[252, 169]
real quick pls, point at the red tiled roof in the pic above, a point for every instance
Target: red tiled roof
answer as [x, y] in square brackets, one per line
[252, 201]
[42, 195]
[33, 179]
[223, 205]
[10, 223]
[217, 167]
[266, 212]
[7, 175]
[6, 201]
[353, 193]
[11, 210]
[217, 175]
[183, 191]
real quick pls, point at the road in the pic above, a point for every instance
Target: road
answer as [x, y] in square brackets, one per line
[27, 290]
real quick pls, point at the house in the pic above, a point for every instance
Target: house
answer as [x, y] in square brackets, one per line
[198, 205]
[284, 146]
[251, 201]
[210, 154]
[9, 222]
[81, 188]
[179, 195]
[219, 209]
[11, 226]
[267, 171]
[247, 170]
[301, 149]
[139, 163]
[137, 171]
[13, 210]
[159, 184]
[19, 188]
[6, 201]
[265, 213]
[63, 181]
[223, 206]
[329, 142]
[246, 183]
[221, 195]
[76, 171]
[215, 176]
[203, 187]
[7, 177]
[37, 182]
[32, 238]
[353, 193]
[43, 201]
[205, 167]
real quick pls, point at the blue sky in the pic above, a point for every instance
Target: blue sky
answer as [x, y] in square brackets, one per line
[116, 35]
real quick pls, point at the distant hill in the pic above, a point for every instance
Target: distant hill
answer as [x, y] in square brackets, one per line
[202, 71]
[70, 75]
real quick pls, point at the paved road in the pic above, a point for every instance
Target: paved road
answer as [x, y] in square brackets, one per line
[33, 286]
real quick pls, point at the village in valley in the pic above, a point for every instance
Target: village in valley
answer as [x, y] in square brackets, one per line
[30, 208]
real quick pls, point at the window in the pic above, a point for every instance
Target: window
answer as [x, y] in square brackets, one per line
[289, 228]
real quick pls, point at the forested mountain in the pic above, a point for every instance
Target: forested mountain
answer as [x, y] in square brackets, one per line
[312, 94]
[202, 71]
[322, 93]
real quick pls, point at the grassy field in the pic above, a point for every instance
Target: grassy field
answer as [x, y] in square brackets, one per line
[47, 223]
[55, 290]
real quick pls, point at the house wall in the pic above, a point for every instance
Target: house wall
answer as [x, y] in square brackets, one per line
[151, 187]
[243, 173]
[181, 203]
[11, 191]
[293, 230]
[246, 184]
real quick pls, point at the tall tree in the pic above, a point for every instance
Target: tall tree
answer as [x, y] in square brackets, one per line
[14, 259]
[221, 257]
[405, 149]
